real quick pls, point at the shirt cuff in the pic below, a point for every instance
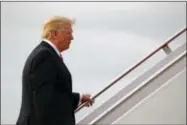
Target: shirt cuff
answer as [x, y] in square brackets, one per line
[80, 97]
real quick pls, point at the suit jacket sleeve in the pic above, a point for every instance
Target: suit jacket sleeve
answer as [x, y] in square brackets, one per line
[43, 80]
[76, 99]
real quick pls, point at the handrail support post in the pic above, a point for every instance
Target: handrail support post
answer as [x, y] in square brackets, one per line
[167, 49]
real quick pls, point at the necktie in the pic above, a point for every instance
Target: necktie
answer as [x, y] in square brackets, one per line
[61, 57]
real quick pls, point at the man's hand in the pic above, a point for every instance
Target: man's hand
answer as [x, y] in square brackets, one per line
[87, 98]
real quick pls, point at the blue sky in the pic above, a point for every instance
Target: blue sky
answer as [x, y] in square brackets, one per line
[108, 39]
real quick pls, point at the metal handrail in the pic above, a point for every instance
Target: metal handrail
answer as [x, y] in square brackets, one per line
[132, 68]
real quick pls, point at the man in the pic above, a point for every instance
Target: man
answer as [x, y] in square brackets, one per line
[47, 97]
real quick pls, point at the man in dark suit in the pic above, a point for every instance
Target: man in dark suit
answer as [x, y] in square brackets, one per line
[47, 97]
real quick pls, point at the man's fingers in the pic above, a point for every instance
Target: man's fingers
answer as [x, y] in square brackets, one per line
[88, 100]
[89, 103]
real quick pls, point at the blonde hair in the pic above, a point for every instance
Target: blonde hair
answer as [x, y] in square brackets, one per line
[56, 23]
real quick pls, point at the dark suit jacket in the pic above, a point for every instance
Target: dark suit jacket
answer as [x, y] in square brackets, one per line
[47, 97]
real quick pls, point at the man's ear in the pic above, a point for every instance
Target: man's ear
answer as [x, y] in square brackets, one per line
[54, 34]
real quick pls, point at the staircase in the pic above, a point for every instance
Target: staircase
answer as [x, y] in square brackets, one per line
[158, 96]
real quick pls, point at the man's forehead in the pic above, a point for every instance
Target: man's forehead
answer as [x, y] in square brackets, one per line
[68, 28]
[68, 25]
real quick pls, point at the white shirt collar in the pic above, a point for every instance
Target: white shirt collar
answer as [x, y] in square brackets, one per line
[53, 46]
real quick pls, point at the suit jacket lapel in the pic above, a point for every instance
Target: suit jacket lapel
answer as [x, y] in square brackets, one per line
[59, 61]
